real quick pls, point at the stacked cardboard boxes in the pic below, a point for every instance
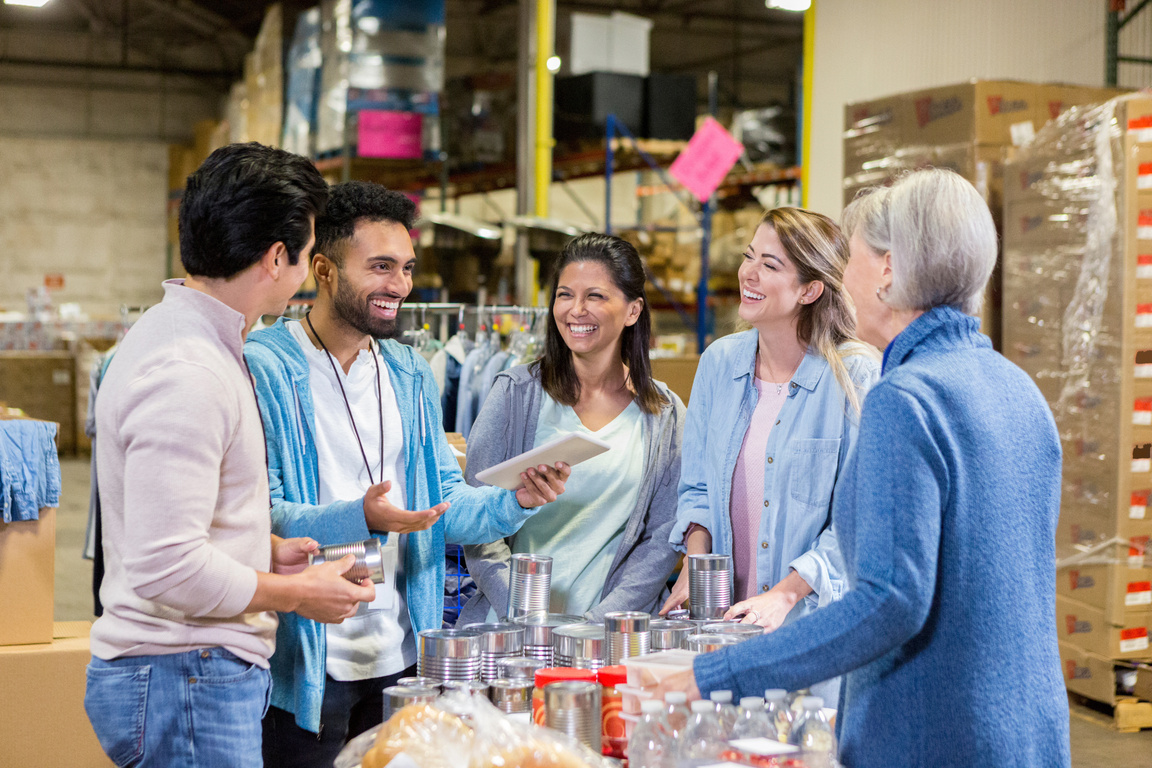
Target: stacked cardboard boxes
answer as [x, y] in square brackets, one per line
[42, 664]
[1077, 311]
[971, 128]
[43, 385]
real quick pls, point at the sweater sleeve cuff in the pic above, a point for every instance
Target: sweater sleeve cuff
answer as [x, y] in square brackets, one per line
[713, 673]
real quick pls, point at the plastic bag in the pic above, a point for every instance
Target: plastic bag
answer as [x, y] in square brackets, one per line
[461, 731]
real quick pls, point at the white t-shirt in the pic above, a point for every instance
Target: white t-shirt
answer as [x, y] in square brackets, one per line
[377, 641]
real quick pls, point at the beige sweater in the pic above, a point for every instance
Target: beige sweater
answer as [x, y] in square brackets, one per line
[183, 486]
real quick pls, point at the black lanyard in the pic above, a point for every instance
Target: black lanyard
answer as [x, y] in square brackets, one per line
[379, 401]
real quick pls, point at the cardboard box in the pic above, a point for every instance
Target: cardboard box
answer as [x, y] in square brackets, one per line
[1088, 674]
[456, 440]
[42, 718]
[1115, 588]
[27, 580]
[1086, 628]
[677, 372]
[43, 385]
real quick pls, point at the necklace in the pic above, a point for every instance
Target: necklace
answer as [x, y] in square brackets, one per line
[779, 385]
[348, 406]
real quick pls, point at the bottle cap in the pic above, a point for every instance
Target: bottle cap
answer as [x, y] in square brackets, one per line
[675, 697]
[610, 677]
[721, 697]
[812, 703]
[651, 705]
[752, 702]
[562, 674]
[775, 694]
[700, 705]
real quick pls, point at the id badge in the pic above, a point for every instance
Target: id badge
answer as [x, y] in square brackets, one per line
[386, 590]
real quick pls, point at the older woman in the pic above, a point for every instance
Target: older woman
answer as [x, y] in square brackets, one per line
[946, 515]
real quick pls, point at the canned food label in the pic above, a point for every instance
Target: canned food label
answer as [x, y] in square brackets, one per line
[1138, 505]
[1142, 411]
[1141, 465]
[1144, 370]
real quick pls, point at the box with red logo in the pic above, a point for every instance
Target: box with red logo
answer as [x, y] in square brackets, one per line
[1087, 628]
[1088, 674]
[1113, 587]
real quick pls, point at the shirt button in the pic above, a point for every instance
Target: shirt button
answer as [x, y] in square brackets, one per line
[765, 502]
[763, 545]
[192, 680]
[777, 421]
[204, 654]
[765, 588]
[769, 459]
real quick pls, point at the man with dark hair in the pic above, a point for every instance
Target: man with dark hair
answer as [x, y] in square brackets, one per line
[352, 420]
[179, 672]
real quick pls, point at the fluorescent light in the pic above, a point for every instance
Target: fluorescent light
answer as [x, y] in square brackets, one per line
[789, 5]
[553, 63]
[29, 3]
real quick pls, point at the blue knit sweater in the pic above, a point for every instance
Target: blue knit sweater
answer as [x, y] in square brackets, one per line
[947, 518]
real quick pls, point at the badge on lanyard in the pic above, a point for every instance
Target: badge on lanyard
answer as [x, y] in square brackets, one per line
[385, 590]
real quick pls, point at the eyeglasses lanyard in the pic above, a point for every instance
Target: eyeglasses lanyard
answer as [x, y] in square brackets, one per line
[379, 401]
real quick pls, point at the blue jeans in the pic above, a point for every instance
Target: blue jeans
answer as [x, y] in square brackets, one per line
[181, 710]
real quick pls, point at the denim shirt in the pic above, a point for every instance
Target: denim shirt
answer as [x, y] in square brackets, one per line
[807, 448]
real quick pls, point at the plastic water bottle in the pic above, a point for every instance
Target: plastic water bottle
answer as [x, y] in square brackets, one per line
[703, 738]
[727, 713]
[752, 721]
[813, 733]
[650, 745]
[776, 707]
[676, 713]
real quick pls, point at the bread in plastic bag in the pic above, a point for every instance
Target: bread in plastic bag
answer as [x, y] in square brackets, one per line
[431, 736]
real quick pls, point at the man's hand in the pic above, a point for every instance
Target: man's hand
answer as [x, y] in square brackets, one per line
[291, 555]
[542, 484]
[326, 596]
[382, 515]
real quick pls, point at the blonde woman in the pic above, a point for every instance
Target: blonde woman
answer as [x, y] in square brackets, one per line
[773, 416]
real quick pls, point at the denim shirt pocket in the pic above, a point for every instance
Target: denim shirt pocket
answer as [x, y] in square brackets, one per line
[813, 473]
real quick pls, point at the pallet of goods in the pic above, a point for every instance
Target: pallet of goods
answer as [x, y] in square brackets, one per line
[1078, 318]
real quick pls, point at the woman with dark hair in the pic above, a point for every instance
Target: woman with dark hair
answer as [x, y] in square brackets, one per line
[608, 534]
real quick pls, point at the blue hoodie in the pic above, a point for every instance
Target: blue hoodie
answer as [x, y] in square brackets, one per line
[477, 515]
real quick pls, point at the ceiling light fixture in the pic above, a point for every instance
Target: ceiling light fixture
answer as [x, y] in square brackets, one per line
[29, 3]
[789, 5]
[553, 64]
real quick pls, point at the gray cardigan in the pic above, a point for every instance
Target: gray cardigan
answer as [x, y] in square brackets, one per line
[637, 580]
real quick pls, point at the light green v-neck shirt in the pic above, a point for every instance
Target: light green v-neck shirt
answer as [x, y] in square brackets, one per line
[583, 528]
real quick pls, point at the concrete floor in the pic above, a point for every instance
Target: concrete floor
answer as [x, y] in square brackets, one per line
[1094, 745]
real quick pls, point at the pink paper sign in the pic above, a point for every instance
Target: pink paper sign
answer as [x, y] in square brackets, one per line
[382, 133]
[706, 160]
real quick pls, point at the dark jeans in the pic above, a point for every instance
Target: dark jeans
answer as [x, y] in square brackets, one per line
[349, 709]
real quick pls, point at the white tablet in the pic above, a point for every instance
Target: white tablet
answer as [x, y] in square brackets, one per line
[571, 449]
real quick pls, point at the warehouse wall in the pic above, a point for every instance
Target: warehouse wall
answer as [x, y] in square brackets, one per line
[882, 47]
[83, 173]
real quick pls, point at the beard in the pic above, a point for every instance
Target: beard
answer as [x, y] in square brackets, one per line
[357, 313]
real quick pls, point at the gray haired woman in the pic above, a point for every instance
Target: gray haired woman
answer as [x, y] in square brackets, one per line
[946, 515]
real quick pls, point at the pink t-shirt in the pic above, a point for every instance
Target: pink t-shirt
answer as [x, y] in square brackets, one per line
[747, 499]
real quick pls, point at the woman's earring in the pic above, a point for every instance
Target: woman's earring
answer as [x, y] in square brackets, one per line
[881, 292]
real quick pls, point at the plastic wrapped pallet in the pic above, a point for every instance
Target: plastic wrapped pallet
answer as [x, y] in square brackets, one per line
[970, 128]
[264, 80]
[303, 84]
[1078, 319]
[379, 56]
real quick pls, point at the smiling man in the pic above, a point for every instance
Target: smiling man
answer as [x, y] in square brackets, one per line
[352, 421]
